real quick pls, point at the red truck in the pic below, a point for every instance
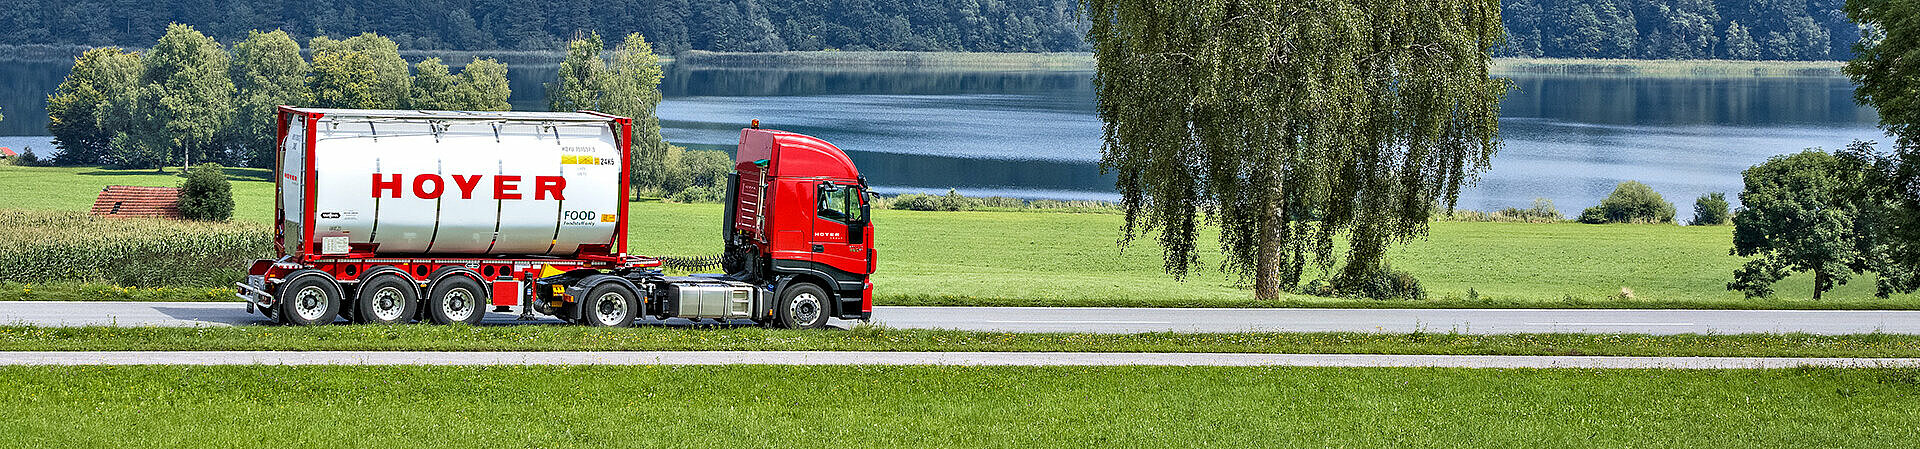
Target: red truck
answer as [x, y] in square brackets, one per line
[388, 216]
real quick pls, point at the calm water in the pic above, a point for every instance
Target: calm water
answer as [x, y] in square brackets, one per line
[1033, 134]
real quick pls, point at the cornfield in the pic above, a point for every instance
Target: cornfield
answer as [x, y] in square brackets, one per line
[39, 246]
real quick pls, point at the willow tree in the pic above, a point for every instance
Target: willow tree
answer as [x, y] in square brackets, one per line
[1290, 123]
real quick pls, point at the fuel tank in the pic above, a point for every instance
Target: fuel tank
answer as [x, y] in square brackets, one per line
[394, 182]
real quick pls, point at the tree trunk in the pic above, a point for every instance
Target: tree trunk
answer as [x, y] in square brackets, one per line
[1266, 275]
[1819, 283]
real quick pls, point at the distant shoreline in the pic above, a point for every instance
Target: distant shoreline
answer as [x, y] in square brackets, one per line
[903, 60]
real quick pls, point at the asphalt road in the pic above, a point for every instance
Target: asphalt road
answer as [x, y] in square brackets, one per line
[911, 358]
[1129, 320]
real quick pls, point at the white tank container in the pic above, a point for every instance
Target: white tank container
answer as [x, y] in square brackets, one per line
[453, 183]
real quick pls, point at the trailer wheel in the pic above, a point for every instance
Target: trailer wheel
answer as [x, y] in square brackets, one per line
[802, 306]
[386, 299]
[456, 299]
[609, 305]
[309, 301]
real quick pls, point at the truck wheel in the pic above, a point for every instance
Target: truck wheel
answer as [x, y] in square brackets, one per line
[456, 299]
[609, 305]
[309, 301]
[801, 306]
[386, 299]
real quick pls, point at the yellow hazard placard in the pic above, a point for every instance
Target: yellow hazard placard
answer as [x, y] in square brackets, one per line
[608, 218]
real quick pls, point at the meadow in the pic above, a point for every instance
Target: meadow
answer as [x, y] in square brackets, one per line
[954, 406]
[1018, 258]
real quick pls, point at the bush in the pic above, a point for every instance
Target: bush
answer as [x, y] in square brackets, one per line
[954, 202]
[28, 159]
[914, 201]
[1384, 283]
[1631, 202]
[205, 195]
[707, 169]
[1541, 212]
[37, 246]
[1711, 210]
[699, 194]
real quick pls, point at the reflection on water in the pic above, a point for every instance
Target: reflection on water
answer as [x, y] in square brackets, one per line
[1569, 138]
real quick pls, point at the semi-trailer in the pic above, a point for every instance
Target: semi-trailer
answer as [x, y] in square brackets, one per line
[395, 216]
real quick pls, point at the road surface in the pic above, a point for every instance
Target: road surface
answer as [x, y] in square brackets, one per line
[912, 358]
[1134, 320]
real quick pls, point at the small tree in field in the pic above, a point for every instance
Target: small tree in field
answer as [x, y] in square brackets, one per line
[1710, 210]
[205, 195]
[1803, 212]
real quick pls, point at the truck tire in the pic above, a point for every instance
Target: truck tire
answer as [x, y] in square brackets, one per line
[457, 299]
[309, 300]
[609, 305]
[802, 306]
[386, 299]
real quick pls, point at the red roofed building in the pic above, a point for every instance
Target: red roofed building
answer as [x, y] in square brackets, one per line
[7, 152]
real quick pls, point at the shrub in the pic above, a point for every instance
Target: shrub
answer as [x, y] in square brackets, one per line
[1383, 283]
[954, 202]
[205, 195]
[1541, 212]
[699, 194]
[28, 159]
[1631, 202]
[708, 169]
[914, 201]
[37, 246]
[1711, 210]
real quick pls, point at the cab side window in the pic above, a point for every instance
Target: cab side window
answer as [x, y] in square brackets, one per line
[833, 202]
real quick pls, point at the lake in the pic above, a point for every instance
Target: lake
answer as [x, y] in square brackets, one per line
[1033, 134]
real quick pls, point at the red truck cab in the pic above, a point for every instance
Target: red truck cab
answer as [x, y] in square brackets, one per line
[799, 214]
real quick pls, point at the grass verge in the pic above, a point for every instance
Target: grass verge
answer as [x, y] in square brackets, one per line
[94, 291]
[921, 406]
[570, 338]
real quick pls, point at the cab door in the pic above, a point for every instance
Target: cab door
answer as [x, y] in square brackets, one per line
[840, 227]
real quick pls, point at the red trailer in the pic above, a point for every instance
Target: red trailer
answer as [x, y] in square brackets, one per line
[396, 216]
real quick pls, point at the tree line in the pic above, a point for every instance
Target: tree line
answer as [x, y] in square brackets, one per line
[1679, 29]
[672, 25]
[189, 99]
[1648, 29]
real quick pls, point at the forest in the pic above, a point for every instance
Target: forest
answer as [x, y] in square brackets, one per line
[1640, 29]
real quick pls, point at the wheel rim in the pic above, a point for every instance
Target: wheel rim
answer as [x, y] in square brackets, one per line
[610, 307]
[459, 305]
[310, 303]
[389, 303]
[805, 308]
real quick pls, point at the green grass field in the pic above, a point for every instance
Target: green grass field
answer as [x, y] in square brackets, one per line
[887, 407]
[869, 338]
[1069, 259]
